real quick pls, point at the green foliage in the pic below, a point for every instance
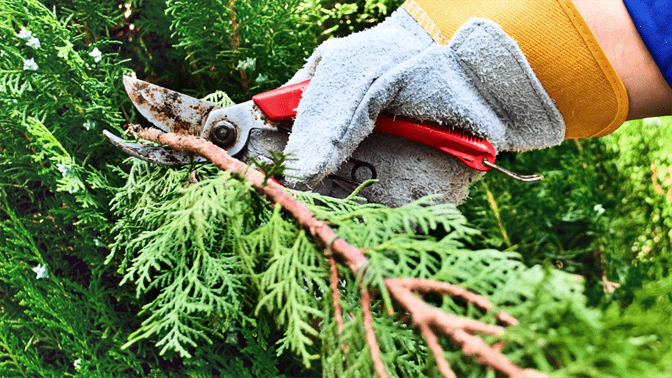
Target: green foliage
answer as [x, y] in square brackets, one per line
[342, 18]
[248, 45]
[55, 97]
[201, 255]
[603, 210]
[201, 279]
[121, 268]
[603, 201]
[644, 162]
[276, 167]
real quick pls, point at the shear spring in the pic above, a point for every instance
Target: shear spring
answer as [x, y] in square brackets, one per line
[523, 178]
[353, 173]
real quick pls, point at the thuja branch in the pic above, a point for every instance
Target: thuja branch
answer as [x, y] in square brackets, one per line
[370, 335]
[431, 321]
[347, 254]
[333, 285]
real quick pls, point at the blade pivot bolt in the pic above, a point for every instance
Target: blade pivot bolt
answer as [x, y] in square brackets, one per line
[223, 134]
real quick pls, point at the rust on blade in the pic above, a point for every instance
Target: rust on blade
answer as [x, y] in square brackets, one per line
[243, 117]
[158, 155]
[168, 110]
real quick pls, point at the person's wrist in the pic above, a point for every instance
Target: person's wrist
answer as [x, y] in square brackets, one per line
[648, 92]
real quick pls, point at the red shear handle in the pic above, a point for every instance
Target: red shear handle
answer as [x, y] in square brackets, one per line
[280, 105]
[469, 149]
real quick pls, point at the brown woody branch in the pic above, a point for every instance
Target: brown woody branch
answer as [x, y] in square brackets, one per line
[431, 321]
[370, 335]
[336, 295]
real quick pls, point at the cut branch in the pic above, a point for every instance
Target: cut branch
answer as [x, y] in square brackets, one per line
[426, 286]
[435, 347]
[347, 254]
[370, 335]
[431, 321]
[336, 295]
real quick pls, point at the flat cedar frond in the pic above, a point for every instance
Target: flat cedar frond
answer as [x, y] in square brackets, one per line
[293, 283]
[345, 354]
[368, 225]
[189, 260]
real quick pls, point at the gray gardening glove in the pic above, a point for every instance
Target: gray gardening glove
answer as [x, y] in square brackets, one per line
[480, 83]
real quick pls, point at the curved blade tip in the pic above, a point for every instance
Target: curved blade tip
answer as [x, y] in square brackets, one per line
[158, 155]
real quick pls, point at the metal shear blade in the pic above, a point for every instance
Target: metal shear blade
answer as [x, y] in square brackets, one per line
[178, 113]
[158, 155]
[168, 110]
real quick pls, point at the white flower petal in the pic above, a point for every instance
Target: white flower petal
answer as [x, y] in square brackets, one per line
[33, 42]
[41, 271]
[89, 125]
[96, 54]
[599, 209]
[65, 169]
[24, 34]
[29, 65]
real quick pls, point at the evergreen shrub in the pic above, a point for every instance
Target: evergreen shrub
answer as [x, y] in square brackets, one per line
[113, 267]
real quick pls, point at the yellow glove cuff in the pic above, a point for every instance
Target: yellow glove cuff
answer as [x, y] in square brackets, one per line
[558, 45]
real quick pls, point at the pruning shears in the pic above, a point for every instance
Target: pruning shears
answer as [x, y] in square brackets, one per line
[230, 127]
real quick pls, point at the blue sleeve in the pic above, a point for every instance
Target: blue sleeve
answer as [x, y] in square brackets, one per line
[653, 20]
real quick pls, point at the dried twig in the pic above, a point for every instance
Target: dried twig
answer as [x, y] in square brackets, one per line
[431, 321]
